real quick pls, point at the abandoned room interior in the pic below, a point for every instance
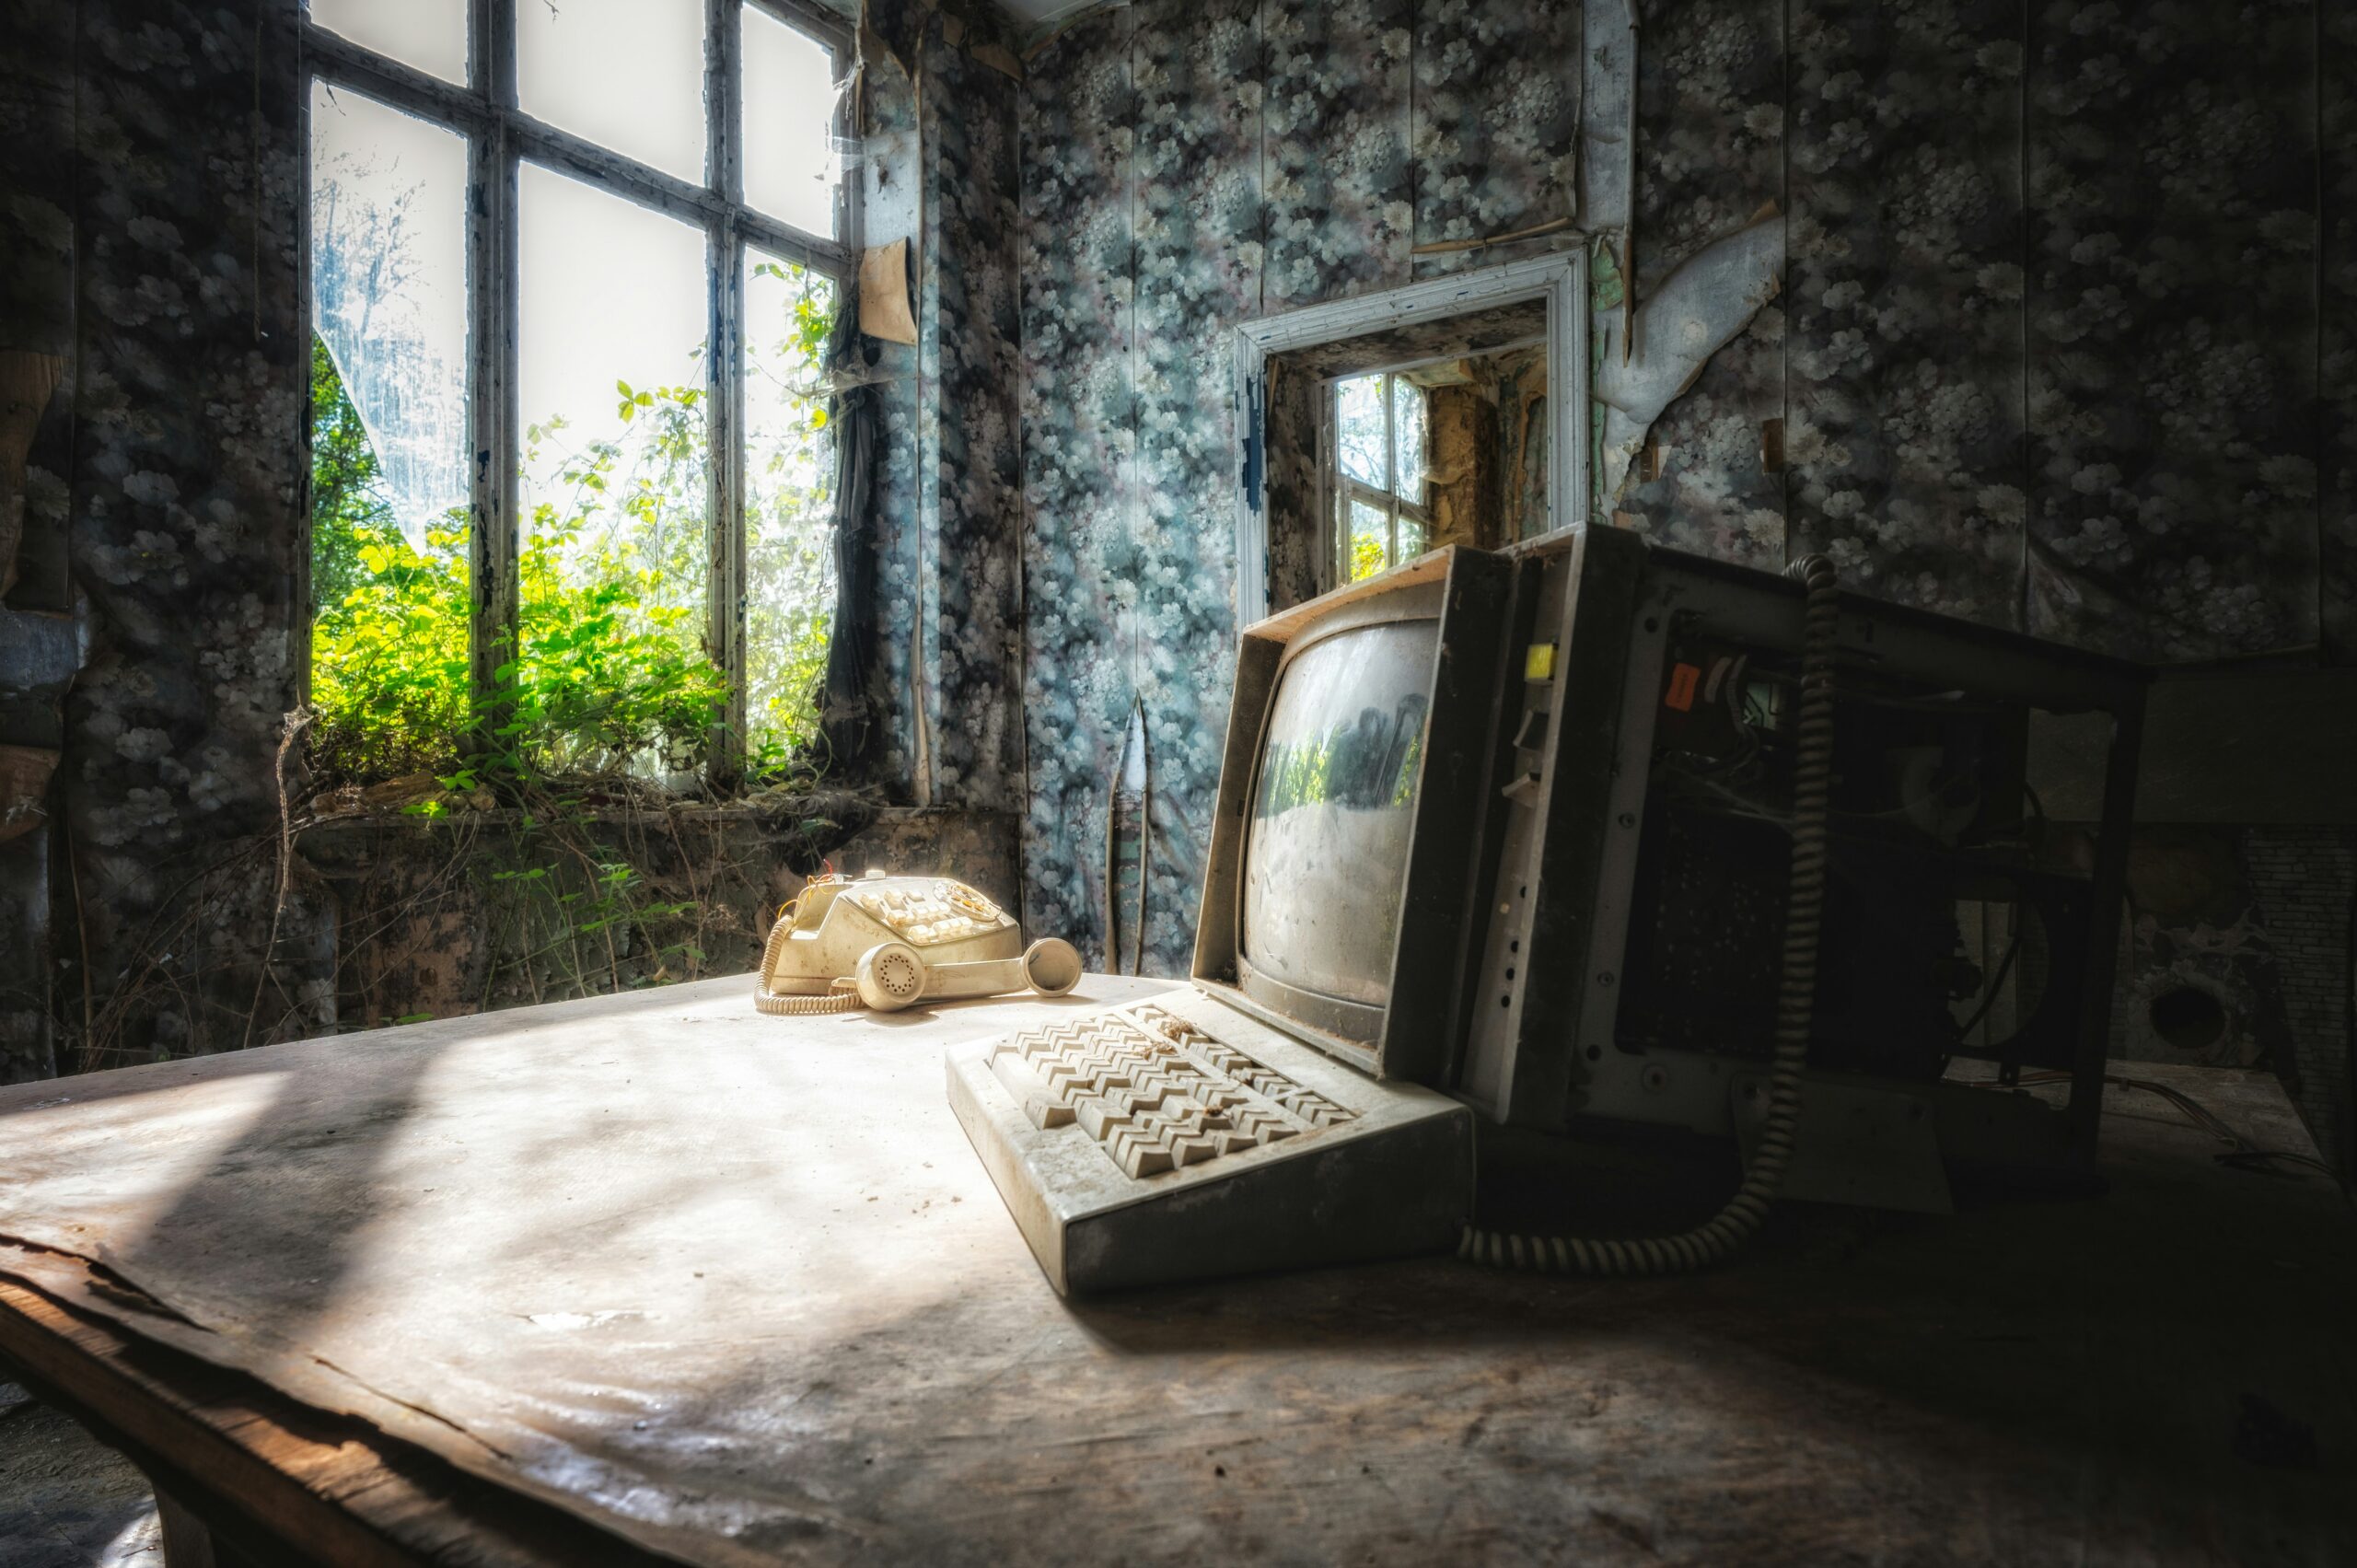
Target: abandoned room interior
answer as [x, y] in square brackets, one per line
[1313, 781]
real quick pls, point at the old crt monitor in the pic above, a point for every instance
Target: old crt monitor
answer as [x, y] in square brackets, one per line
[1502, 857]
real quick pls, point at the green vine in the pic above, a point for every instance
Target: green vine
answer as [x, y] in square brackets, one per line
[606, 701]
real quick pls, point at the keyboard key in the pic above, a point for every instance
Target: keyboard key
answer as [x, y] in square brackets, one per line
[1155, 1093]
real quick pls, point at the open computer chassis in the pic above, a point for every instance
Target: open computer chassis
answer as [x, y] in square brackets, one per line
[1965, 935]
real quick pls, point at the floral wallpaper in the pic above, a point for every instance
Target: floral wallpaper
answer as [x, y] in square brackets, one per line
[2046, 353]
[969, 509]
[897, 536]
[2172, 326]
[1493, 125]
[188, 473]
[1902, 349]
[2337, 350]
[1334, 138]
[1710, 153]
[1186, 167]
[1079, 465]
[1198, 269]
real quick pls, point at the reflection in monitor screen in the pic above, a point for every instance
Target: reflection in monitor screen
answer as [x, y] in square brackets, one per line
[1333, 811]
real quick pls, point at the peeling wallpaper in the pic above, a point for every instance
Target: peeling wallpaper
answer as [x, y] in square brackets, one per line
[2063, 342]
[2047, 345]
[1185, 167]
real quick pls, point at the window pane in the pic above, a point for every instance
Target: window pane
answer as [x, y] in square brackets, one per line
[1370, 540]
[428, 34]
[615, 467]
[791, 166]
[389, 289]
[625, 74]
[1412, 538]
[1408, 427]
[789, 506]
[390, 482]
[1358, 429]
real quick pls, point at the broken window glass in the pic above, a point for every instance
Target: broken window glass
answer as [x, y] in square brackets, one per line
[390, 482]
[789, 506]
[389, 292]
[611, 657]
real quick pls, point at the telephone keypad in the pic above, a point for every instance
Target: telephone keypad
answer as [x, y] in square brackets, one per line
[948, 912]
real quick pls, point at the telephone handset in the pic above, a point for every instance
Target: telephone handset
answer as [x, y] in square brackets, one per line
[883, 942]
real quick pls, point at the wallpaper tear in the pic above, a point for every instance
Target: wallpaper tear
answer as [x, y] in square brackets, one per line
[2045, 351]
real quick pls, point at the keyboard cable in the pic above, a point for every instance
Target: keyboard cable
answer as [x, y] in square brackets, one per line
[1734, 1224]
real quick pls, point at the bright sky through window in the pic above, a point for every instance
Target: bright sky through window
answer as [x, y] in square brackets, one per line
[612, 292]
[428, 34]
[625, 74]
[791, 169]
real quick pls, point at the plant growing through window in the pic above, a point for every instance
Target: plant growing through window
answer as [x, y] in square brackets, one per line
[607, 256]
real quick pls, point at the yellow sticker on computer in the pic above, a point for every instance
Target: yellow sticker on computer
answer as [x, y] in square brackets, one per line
[1538, 663]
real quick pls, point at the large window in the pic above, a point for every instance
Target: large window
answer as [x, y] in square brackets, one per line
[573, 269]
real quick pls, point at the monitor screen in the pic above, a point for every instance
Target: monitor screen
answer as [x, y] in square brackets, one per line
[1333, 811]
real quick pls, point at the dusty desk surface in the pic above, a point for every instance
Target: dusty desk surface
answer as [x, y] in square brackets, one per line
[738, 1288]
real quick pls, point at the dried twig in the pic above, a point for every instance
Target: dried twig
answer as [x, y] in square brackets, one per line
[1439, 247]
[289, 728]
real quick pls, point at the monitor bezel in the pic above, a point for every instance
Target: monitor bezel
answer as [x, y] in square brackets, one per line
[1360, 1021]
[1411, 1040]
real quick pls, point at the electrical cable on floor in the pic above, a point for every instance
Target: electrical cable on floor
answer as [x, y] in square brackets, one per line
[2242, 1157]
[1795, 1001]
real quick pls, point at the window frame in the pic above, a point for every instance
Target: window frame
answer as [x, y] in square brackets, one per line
[1560, 277]
[1344, 490]
[501, 137]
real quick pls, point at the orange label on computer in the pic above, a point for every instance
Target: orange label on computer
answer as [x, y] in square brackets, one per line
[1682, 680]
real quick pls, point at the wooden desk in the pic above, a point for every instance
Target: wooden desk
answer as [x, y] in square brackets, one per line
[650, 1276]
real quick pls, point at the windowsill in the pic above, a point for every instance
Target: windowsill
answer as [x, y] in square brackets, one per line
[853, 810]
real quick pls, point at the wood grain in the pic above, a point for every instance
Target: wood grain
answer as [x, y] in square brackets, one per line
[274, 1477]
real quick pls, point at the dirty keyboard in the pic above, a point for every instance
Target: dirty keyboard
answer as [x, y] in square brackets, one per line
[1155, 1091]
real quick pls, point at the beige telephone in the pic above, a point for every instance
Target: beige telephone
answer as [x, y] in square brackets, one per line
[883, 942]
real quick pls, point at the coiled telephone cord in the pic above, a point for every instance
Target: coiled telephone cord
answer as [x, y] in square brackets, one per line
[1795, 1001]
[842, 998]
